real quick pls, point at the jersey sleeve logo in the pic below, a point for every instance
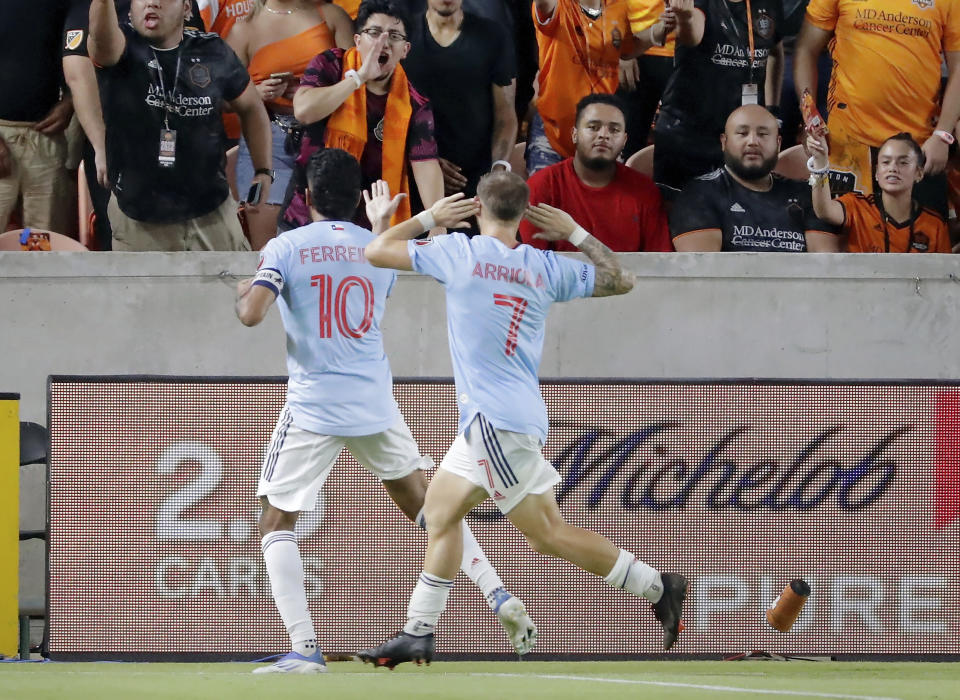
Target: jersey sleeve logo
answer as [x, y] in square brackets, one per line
[74, 39]
[426, 241]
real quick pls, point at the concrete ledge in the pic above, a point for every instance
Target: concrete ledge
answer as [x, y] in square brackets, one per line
[691, 315]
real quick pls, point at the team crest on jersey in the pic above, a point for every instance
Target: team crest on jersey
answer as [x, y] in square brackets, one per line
[74, 39]
[199, 75]
[924, 4]
[764, 24]
[616, 38]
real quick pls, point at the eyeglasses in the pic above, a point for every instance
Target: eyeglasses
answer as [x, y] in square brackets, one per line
[375, 32]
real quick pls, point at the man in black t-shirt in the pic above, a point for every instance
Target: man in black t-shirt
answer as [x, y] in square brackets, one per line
[33, 114]
[79, 75]
[744, 206]
[163, 90]
[712, 78]
[465, 65]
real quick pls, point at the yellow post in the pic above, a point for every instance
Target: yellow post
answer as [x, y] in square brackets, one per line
[9, 521]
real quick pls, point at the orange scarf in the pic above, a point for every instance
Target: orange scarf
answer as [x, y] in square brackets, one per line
[347, 129]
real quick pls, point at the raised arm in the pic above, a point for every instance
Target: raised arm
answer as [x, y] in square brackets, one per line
[556, 224]
[105, 42]
[341, 24]
[690, 22]
[389, 249]
[311, 104]
[656, 33]
[823, 204]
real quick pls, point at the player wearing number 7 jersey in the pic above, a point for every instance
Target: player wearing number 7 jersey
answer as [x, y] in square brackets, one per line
[339, 394]
[498, 294]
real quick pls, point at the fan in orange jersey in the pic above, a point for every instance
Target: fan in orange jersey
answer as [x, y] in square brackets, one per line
[886, 79]
[888, 221]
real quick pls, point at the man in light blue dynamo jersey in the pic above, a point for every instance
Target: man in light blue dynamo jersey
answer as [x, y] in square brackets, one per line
[339, 394]
[498, 294]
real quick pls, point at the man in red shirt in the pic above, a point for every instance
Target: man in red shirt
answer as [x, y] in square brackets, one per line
[620, 206]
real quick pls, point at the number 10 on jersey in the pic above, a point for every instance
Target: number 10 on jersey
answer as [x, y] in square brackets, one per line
[333, 305]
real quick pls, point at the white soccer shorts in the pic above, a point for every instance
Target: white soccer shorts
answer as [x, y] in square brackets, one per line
[298, 462]
[509, 466]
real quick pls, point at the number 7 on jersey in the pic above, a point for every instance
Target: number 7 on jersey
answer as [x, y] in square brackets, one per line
[519, 305]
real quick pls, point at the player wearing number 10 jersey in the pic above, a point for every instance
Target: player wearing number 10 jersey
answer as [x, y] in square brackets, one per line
[339, 394]
[498, 294]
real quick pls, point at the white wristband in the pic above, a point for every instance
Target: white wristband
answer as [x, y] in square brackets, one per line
[505, 164]
[578, 236]
[426, 219]
[814, 170]
[352, 74]
[944, 136]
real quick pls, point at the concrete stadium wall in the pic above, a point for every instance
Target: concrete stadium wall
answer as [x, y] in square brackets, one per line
[690, 316]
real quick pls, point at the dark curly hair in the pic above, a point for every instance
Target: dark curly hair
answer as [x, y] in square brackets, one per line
[391, 8]
[335, 182]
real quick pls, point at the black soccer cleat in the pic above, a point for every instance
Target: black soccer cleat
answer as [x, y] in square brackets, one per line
[403, 647]
[670, 606]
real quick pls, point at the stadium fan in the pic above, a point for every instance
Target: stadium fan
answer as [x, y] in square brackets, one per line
[339, 394]
[745, 206]
[622, 205]
[643, 79]
[276, 41]
[464, 64]
[163, 88]
[498, 294]
[581, 43]
[361, 101]
[886, 79]
[33, 114]
[888, 221]
[713, 77]
[79, 75]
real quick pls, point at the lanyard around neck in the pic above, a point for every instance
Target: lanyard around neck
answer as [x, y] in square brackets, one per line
[167, 104]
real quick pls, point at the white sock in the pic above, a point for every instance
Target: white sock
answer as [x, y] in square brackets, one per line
[475, 563]
[428, 600]
[285, 569]
[631, 574]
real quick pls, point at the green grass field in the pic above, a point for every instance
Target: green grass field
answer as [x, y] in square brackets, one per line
[674, 680]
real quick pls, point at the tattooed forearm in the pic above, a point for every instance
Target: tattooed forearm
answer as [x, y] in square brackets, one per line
[611, 277]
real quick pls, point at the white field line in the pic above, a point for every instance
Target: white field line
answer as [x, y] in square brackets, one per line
[696, 686]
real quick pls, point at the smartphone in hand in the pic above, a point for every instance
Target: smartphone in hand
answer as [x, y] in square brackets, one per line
[286, 75]
[253, 195]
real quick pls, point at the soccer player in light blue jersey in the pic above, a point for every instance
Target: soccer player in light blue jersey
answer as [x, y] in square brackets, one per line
[339, 394]
[498, 294]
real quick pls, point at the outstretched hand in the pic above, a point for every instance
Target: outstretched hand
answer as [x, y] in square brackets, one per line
[380, 207]
[817, 147]
[554, 224]
[453, 211]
